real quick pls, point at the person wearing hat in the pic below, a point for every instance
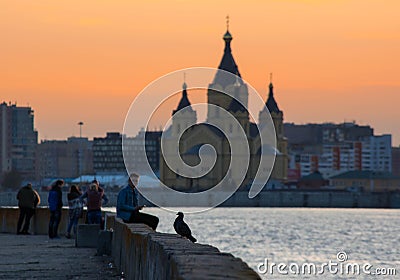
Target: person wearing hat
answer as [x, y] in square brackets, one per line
[28, 199]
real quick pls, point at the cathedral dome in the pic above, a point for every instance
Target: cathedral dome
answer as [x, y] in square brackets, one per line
[227, 36]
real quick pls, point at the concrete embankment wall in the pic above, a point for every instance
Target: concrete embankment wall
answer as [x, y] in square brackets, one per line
[334, 199]
[39, 222]
[10, 198]
[316, 199]
[142, 253]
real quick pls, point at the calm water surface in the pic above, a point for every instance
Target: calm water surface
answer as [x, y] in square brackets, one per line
[298, 235]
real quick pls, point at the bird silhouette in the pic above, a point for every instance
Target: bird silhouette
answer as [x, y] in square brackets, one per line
[182, 228]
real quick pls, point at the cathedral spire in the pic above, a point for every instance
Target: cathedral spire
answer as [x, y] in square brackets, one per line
[227, 37]
[228, 62]
[271, 103]
[184, 102]
[184, 86]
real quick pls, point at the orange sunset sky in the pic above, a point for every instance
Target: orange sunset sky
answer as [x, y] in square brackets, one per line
[71, 61]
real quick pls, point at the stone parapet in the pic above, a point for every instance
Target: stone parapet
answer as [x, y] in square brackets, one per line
[39, 222]
[142, 253]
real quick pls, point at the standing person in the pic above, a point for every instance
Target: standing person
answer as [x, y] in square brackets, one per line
[75, 209]
[28, 199]
[55, 206]
[105, 198]
[95, 196]
[128, 205]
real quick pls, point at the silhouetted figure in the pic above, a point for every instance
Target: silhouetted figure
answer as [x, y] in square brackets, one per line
[75, 209]
[128, 205]
[28, 199]
[95, 197]
[55, 206]
[182, 228]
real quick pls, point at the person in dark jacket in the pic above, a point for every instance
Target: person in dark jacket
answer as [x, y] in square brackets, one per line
[55, 207]
[28, 199]
[95, 196]
[75, 209]
[128, 205]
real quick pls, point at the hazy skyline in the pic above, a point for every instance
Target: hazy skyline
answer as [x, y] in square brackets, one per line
[72, 61]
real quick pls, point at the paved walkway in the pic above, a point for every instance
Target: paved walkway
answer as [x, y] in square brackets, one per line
[38, 257]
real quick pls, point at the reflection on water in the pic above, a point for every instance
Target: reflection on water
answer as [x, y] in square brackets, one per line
[297, 235]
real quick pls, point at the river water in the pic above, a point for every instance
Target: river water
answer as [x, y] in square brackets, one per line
[297, 237]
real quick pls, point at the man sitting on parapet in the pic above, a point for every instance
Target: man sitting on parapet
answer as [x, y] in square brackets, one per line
[128, 205]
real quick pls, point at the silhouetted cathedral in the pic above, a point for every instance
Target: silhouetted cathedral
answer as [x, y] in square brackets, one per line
[200, 134]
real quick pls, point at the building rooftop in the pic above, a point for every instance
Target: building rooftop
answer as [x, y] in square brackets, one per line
[314, 176]
[365, 174]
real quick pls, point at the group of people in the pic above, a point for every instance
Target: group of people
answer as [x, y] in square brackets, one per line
[128, 208]
[94, 198]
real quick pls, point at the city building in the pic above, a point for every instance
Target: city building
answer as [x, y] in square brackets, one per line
[313, 181]
[107, 154]
[396, 161]
[153, 147]
[18, 140]
[308, 138]
[194, 138]
[366, 181]
[134, 151]
[335, 148]
[376, 153]
[64, 158]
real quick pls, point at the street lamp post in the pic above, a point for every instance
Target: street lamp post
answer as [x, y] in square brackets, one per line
[80, 129]
[80, 153]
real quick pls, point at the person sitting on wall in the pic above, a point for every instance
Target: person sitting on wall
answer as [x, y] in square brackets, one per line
[28, 199]
[128, 205]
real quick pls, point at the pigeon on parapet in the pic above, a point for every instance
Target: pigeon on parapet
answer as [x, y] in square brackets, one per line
[182, 228]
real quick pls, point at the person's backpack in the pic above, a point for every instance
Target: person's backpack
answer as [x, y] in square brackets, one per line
[53, 200]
